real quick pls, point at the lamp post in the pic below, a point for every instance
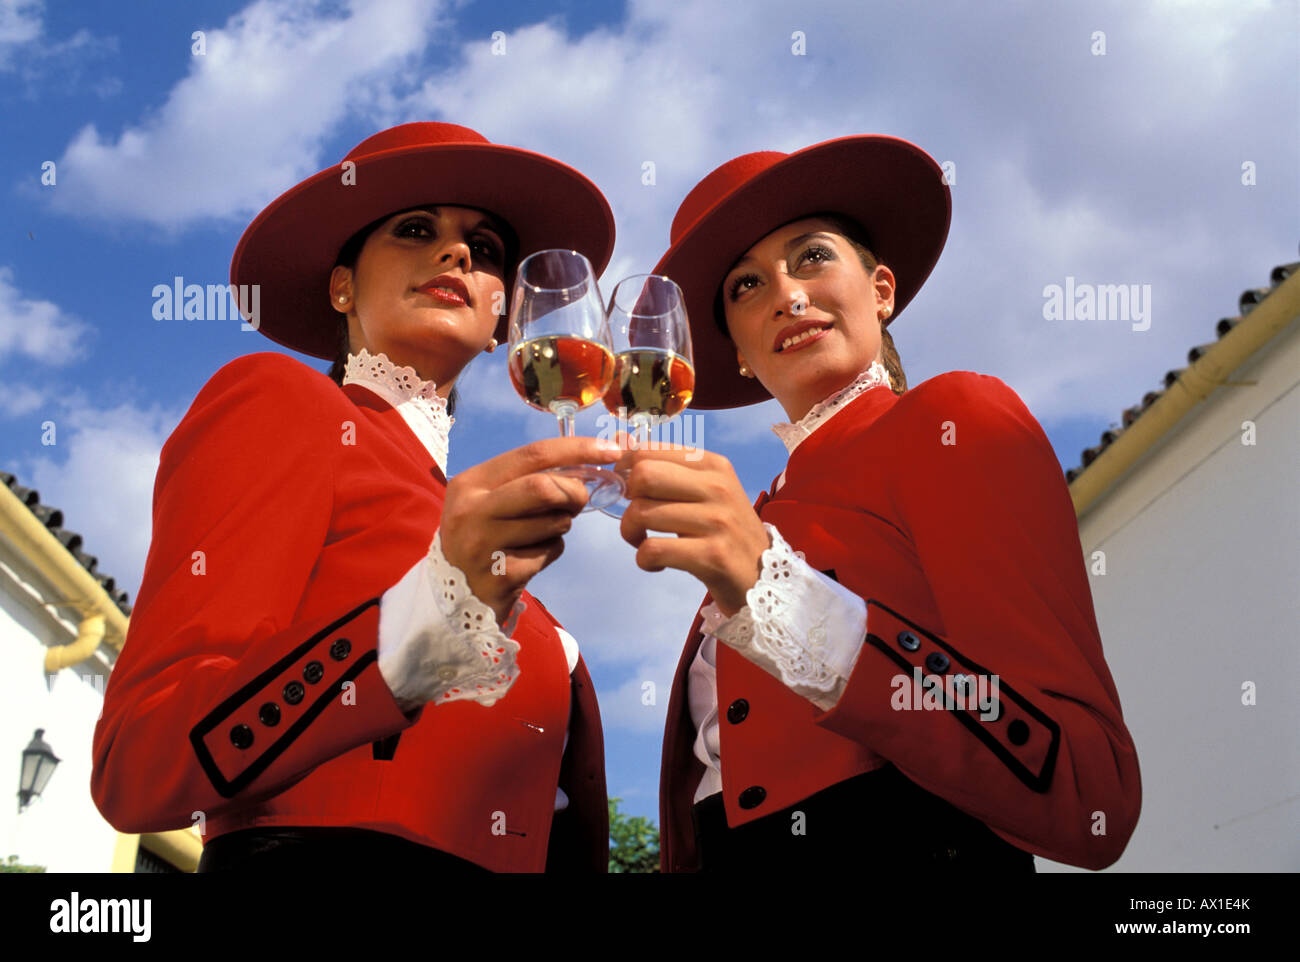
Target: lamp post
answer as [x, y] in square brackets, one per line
[38, 765]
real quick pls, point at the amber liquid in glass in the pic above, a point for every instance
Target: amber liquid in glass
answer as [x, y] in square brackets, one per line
[560, 370]
[650, 381]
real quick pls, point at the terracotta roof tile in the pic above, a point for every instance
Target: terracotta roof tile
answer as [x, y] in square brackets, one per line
[52, 518]
[1246, 303]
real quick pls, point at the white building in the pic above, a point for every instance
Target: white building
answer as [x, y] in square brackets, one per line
[61, 627]
[1193, 509]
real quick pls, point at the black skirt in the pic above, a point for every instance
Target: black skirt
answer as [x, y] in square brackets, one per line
[878, 820]
[327, 850]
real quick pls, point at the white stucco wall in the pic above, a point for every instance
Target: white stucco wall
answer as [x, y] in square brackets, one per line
[1201, 595]
[62, 829]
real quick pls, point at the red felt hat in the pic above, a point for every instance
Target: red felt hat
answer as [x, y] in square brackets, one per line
[291, 247]
[892, 188]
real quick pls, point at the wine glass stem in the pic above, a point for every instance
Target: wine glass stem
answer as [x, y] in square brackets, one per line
[640, 425]
[564, 413]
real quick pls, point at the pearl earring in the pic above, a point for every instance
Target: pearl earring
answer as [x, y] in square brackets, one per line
[491, 346]
[745, 371]
[886, 312]
[343, 298]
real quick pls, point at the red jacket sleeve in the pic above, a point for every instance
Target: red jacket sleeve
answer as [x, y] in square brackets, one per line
[222, 693]
[983, 498]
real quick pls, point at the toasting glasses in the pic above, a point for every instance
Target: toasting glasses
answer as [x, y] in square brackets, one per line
[561, 359]
[654, 375]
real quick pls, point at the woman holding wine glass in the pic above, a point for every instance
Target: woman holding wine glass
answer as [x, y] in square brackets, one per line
[332, 659]
[910, 673]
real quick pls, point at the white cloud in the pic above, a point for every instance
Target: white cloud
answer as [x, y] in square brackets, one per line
[250, 117]
[43, 64]
[688, 87]
[37, 329]
[607, 103]
[20, 399]
[100, 473]
[747, 425]
[640, 703]
[20, 25]
[485, 387]
[629, 622]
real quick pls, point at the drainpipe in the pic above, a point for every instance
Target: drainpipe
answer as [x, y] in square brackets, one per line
[101, 619]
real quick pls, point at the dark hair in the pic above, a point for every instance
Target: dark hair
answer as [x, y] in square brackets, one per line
[348, 255]
[856, 235]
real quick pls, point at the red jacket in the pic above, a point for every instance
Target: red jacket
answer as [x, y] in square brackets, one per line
[248, 688]
[947, 511]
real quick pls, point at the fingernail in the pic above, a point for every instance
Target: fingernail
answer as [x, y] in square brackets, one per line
[608, 446]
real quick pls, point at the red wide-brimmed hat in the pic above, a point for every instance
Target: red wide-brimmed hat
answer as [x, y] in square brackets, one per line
[291, 247]
[892, 188]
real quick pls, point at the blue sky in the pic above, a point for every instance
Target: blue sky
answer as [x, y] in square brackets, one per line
[1115, 168]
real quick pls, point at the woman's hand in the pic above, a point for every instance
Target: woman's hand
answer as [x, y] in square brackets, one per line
[504, 520]
[695, 495]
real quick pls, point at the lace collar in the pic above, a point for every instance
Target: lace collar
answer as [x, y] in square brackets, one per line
[793, 434]
[414, 399]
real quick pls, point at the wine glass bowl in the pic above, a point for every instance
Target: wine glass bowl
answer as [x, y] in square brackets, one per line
[560, 373]
[560, 357]
[654, 372]
[654, 377]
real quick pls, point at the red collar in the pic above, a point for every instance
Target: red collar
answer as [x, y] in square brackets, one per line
[858, 414]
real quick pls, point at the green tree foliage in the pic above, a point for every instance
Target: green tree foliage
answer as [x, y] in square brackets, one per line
[633, 842]
[13, 865]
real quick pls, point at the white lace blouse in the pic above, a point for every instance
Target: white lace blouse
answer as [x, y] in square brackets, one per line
[798, 624]
[433, 631]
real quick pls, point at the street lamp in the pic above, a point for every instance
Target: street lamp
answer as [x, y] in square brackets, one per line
[38, 765]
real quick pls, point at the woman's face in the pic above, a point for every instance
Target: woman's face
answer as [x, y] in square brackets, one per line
[804, 312]
[425, 290]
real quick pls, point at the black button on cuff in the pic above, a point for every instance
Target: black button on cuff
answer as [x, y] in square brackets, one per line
[340, 649]
[1018, 732]
[936, 662]
[293, 692]
[313, 672]
[753, 796]
[241, 736]
[269, 714]
[738, 711]
[908, 641]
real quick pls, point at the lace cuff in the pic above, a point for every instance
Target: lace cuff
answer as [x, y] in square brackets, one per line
[439, 643]
[798, 625]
